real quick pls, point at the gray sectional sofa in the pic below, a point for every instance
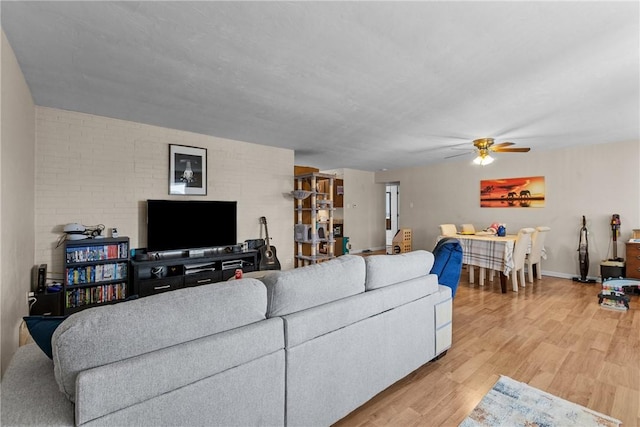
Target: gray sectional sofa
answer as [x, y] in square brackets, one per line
[302, 347]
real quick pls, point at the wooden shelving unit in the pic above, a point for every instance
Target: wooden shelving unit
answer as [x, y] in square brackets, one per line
[314, 218]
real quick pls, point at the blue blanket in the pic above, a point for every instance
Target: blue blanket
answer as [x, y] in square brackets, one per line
[448, 262]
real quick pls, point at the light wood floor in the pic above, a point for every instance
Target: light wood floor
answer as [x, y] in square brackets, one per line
[552, 335]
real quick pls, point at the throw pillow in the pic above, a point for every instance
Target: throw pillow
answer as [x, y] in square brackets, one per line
[41, 329]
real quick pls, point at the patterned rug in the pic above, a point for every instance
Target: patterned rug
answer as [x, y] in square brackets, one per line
[512, 403]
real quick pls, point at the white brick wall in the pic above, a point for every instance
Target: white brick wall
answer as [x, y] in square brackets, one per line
[96, 170]
[17, 199]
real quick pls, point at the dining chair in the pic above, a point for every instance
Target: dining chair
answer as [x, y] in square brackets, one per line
[534, 257]
[467, 228]
[523, 240]
[448, 230]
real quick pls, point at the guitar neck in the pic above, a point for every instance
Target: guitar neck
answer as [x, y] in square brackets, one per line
[266, 231]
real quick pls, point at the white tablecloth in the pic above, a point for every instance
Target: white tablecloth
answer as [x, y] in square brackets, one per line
[490, 252]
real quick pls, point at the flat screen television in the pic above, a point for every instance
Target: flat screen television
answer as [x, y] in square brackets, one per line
[190, 224]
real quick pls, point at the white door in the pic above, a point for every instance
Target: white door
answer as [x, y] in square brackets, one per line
[392, 214]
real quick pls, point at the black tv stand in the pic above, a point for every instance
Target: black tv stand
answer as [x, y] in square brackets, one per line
[154, 276]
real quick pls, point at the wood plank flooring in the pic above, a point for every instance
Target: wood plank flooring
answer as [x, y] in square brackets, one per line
[552, 334]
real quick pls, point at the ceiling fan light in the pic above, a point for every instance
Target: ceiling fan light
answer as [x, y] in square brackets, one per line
[483, 159]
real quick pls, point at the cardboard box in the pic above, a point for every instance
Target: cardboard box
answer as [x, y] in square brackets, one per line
[402, 241]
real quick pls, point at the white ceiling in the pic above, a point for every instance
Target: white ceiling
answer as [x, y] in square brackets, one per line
[362, 85]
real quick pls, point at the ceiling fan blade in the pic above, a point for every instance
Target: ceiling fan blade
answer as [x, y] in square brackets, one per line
[503, 144]
[441, 148]
[461, 154]
[511, 150]
[465, 138]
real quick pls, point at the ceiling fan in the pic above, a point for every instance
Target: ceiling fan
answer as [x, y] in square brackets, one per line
[485, 145]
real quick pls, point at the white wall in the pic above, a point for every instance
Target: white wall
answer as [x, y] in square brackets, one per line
[96, 170]
[596, 181]
[17, 146]
[363, 209]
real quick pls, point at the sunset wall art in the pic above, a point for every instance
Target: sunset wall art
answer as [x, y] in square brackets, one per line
[525, 192]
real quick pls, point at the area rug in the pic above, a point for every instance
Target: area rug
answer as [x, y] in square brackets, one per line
[512, 403]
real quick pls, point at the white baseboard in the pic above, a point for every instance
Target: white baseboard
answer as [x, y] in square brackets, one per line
[568, 276]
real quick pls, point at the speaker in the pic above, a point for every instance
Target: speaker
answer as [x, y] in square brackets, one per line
[41, 279]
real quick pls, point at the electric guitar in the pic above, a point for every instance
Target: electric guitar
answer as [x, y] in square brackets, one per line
[268, 258]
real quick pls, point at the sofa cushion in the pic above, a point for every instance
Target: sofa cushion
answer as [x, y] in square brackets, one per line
[317, 321]
[301, 288]
[175, 368]
[385, 270]
[102, 335]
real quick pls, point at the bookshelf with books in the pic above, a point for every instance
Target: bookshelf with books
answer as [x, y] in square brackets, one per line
[96, 272]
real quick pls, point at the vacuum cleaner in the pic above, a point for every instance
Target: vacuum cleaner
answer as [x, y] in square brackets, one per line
[583, 254]
[615, 230]
[613, 268]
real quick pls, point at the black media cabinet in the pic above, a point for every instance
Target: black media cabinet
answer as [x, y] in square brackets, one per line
[162, 275]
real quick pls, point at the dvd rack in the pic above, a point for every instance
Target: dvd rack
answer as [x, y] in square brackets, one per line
[96, 273]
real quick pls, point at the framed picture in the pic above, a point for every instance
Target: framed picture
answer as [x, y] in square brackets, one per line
[525, 192]
[187, 170]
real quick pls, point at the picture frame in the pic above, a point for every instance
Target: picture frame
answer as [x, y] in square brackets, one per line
[187, 170]
[521, 192]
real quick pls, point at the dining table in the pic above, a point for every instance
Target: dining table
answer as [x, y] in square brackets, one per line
[489, 252]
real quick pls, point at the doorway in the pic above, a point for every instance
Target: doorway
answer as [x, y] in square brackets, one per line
[392, 214]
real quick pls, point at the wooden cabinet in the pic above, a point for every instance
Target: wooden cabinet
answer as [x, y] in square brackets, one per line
[633, 260]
